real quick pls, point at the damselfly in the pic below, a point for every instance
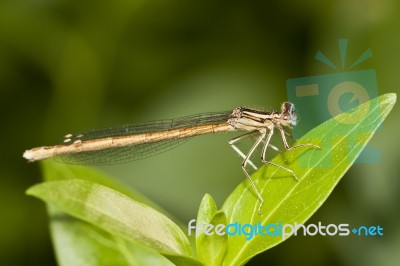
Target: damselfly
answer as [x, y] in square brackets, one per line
[138, 141]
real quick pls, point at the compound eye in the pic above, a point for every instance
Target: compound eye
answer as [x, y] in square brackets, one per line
[287, 107]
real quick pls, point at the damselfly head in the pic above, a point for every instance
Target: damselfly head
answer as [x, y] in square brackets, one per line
[288, 114]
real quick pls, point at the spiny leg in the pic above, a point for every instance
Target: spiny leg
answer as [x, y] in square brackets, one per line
[250, 134]
[247, 160]
[236, 149]
[272, 146]
[264, 151]
[285, 143]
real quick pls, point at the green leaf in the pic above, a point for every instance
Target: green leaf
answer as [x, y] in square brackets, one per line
[289, 201]
[79, 243]
[206, 210]
[53, 170]
[210, 247]
[118, 215]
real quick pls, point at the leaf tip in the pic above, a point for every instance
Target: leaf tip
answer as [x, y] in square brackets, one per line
[391, 98]
[208, 197]
[32, 191]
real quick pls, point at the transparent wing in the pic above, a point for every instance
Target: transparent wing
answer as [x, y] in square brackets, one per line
[137, 151]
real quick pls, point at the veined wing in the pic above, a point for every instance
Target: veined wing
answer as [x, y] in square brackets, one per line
[139, 151]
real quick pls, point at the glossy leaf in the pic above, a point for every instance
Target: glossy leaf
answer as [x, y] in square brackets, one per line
[118, 215]
[54, 170]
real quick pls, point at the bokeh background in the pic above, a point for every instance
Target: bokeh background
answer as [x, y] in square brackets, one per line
[72, 65]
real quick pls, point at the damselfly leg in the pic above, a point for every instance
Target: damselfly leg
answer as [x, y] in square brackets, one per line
[265, 139]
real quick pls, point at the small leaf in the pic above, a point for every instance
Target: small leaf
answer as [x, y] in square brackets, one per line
[288, 201]
[117, 214]
[206, 210]
[213, 247]
[210, 248]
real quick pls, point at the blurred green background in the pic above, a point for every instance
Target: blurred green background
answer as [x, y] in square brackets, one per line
[72, 65]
